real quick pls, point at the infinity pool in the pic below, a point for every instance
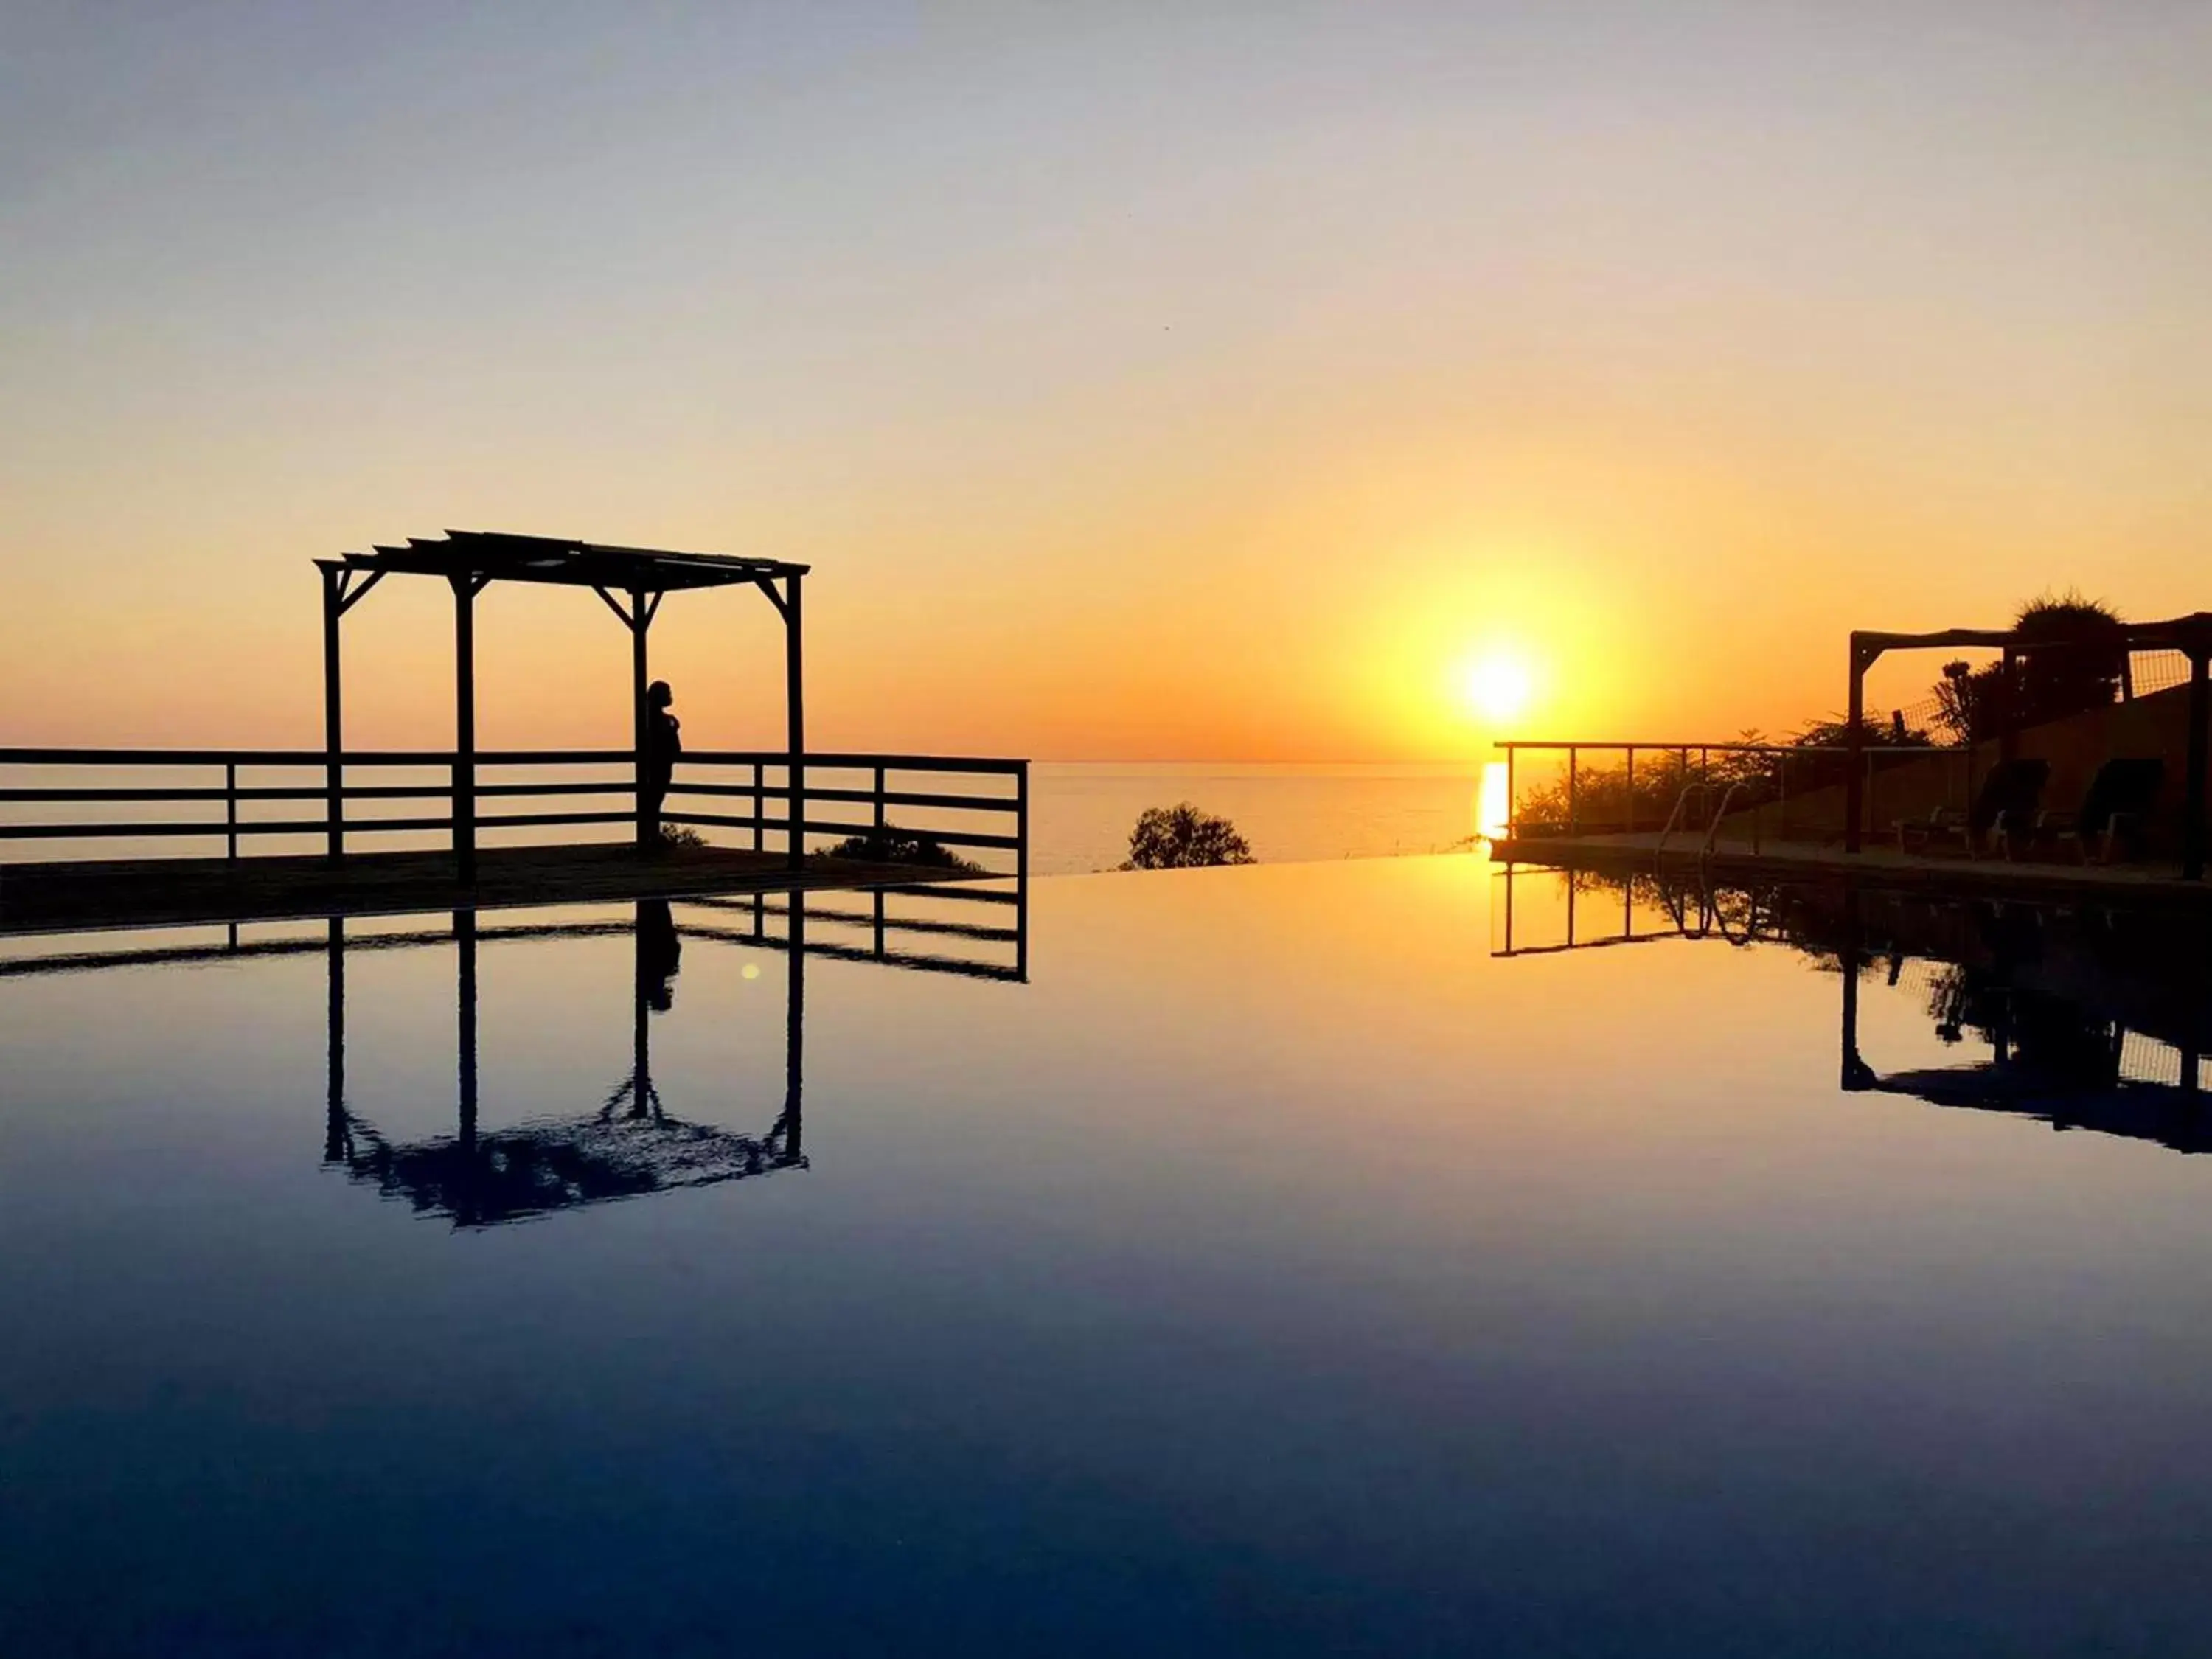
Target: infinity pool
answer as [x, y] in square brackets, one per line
[1283, 1268]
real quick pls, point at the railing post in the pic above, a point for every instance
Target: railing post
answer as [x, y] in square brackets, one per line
[882, 818]
[1510, 752]
[1630, 784]
[1574, 809]
[760, 803]
[230, 810]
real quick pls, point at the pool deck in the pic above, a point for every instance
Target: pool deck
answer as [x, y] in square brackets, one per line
[2151, 881]
[71, 897]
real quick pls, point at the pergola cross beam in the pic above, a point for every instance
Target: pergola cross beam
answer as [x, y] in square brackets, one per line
[471, 561]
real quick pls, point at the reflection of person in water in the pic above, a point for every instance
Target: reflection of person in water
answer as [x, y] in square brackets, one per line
[659, 955]
[663, 743]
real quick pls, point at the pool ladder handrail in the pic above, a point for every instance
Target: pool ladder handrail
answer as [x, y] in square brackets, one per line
[1712, 829]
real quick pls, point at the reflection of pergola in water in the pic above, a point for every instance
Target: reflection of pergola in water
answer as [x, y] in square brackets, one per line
[629, 1148]
[2050, 1059]
[630, 1145]
[2057, 1051]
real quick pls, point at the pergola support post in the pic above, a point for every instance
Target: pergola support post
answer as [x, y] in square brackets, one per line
[333, 715]
[2008, 700]
[794, 694]
[2192, 806]
[464, 729]
[649, 821]
[1863, 657]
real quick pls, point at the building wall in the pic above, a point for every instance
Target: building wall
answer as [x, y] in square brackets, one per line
[2157, 724]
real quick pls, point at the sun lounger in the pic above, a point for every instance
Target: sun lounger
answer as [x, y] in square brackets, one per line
[2115, 810]
[2004, 808]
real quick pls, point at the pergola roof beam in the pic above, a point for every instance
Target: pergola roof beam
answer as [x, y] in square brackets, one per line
[546, 559]
[2192, 633]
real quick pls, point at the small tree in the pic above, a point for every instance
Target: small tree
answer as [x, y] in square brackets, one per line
[2079, 672]
[1181, 838]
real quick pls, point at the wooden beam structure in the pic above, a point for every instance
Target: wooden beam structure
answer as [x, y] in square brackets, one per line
[2193, 805]
[465, 726]
[470, 560]
[2190, 635]
[795, 700]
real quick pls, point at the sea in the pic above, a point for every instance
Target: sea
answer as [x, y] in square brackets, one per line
[1081, 812]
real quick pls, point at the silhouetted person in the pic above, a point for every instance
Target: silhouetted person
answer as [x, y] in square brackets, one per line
[657, 761]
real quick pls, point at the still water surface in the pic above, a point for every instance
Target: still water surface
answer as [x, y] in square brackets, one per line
[1280, 1271]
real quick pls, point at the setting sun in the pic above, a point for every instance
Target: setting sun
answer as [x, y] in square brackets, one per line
[1498, 685]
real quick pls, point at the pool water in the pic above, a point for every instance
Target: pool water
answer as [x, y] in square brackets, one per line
[1281, 1269]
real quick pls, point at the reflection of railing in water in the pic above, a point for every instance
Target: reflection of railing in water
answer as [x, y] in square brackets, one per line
[1702, 912]
[630, 1145]
[2072, 1041]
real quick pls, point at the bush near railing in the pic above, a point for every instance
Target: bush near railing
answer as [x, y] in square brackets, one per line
[1605, 798]
[891, 845]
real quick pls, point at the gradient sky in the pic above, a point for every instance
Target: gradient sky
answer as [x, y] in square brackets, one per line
[1174, 381]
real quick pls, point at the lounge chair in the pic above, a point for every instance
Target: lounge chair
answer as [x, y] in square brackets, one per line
[2118, 805]
[2004, 807]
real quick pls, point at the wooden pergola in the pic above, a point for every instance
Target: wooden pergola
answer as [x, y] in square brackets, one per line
[632, 581]
[2190, 635]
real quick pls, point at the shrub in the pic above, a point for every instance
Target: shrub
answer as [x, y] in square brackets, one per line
[890, 845]
[680, 834]
[1182, 837]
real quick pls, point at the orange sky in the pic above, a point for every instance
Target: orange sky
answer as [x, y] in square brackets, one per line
[1207, 383]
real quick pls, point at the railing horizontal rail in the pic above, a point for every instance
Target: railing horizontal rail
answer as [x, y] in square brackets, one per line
[823, 827]
[20, 755]
[1640, 743]
[304, 792]
[303, 826]
[891, 797]
[315, 757]
[891, 763]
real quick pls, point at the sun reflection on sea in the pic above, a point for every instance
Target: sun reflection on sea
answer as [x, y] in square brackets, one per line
[1491, 808]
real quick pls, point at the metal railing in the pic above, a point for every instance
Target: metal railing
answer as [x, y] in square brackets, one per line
[241, 797]
[1617, 800]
